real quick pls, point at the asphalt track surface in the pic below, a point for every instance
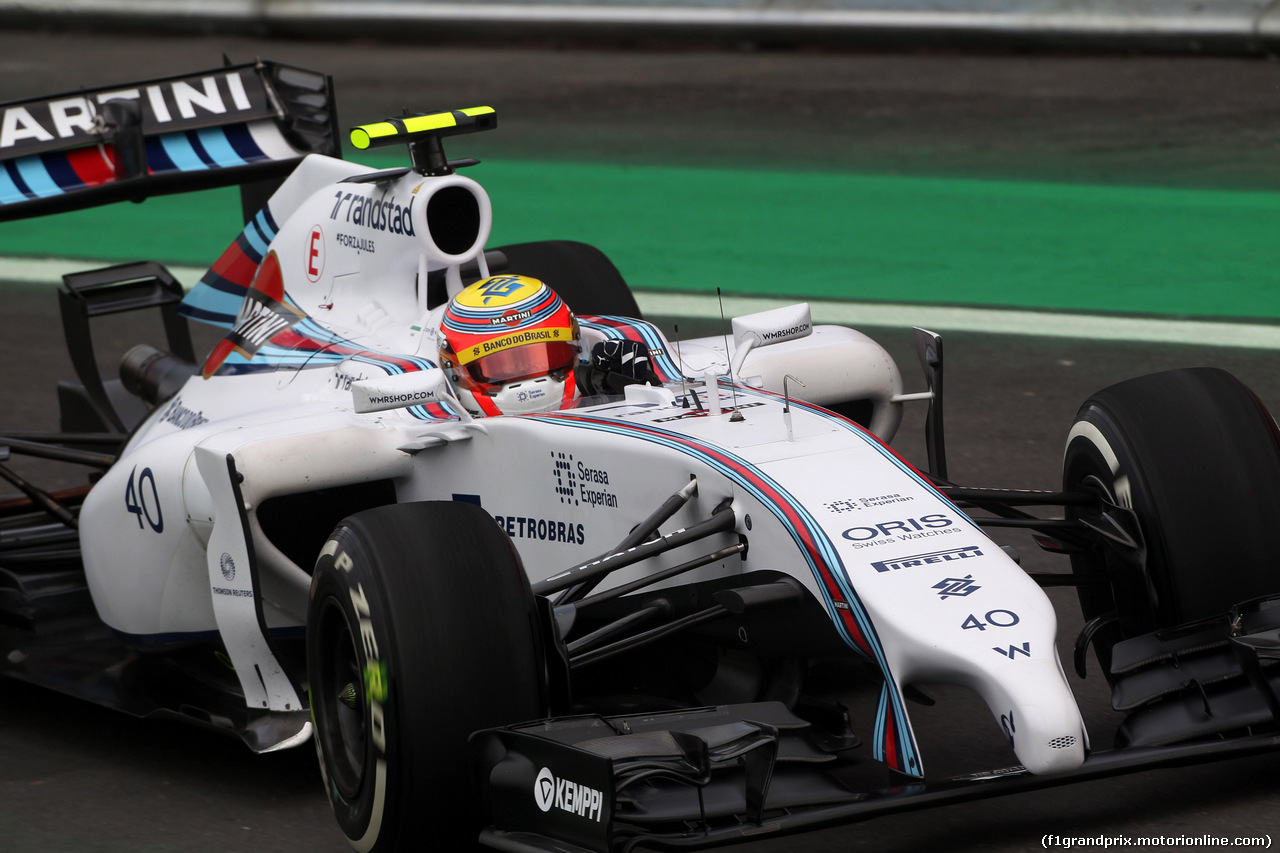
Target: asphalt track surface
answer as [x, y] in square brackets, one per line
[78, 778]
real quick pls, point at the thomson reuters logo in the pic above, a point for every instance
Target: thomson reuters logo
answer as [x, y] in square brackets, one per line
[550, 792]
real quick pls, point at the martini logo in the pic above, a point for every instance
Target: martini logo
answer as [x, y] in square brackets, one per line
[172, 104]
[511, 318]
[263, 315]
[550, 792]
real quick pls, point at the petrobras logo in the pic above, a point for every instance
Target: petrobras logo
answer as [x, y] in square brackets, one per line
[929, 559]
[550, 792]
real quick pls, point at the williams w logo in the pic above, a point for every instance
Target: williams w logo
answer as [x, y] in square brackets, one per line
[1013, 651]
[949, 587]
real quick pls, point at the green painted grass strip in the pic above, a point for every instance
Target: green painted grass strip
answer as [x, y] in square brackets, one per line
[826, 236]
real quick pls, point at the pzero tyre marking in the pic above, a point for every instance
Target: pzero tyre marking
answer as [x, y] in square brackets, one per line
[421, 629]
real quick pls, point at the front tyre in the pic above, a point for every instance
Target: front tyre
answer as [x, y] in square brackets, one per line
[421, 629]
[1194, 456]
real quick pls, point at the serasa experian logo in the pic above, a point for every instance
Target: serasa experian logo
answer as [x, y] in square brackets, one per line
[550, 792]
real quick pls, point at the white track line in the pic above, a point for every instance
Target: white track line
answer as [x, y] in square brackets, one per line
[1001, 321]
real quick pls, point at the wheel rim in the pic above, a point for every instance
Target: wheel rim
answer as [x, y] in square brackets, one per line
[1132, 595]
[340, 701]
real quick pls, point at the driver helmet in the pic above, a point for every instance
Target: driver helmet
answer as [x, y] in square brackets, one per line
[510, 344]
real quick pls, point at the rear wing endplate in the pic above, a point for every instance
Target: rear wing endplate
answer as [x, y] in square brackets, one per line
[246, 125]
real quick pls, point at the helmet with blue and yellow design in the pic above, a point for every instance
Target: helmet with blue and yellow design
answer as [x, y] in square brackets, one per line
[510, 344]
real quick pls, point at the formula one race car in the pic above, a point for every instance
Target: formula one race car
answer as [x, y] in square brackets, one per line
[626, 613]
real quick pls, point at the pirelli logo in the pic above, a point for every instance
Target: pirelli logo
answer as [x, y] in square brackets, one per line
[932, 558]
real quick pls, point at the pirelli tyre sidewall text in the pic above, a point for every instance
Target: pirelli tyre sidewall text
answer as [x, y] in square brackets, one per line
[421, 630]
[350, 698]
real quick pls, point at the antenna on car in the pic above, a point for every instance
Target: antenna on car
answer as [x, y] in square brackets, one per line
[422, 133]
[786, 403]
[733, 389]
[684, 379]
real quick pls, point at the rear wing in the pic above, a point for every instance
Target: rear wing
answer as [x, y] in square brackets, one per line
[246, 125]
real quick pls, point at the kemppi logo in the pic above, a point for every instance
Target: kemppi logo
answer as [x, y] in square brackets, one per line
[550, 792]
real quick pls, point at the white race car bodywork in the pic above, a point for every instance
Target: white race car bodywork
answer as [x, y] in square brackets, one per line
[173, 548]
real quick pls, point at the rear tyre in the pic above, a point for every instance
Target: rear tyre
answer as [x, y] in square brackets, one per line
[1196, 457]
[583, 275]
[421, 629]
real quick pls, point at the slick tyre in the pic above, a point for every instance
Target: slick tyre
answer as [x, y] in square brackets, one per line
[1196, 457]
[421, 629]
[584, 276]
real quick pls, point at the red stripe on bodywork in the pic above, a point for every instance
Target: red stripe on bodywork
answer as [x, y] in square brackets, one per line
[891, 756]
[235, 266]
[94, 166]
[793, 518]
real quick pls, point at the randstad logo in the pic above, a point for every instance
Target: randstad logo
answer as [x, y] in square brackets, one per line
[549, 792]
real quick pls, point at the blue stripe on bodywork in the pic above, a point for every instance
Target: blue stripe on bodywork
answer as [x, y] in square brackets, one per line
[243, 143]
[37, 177]
[178, 148]
[211, 305]
[60, 171]
[908, 757]
[157, 158]
[218, 147]
[258, 241]
[664, 364]
[10, 192]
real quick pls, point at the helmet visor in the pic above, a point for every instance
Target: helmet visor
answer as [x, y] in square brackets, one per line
[522, 362]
